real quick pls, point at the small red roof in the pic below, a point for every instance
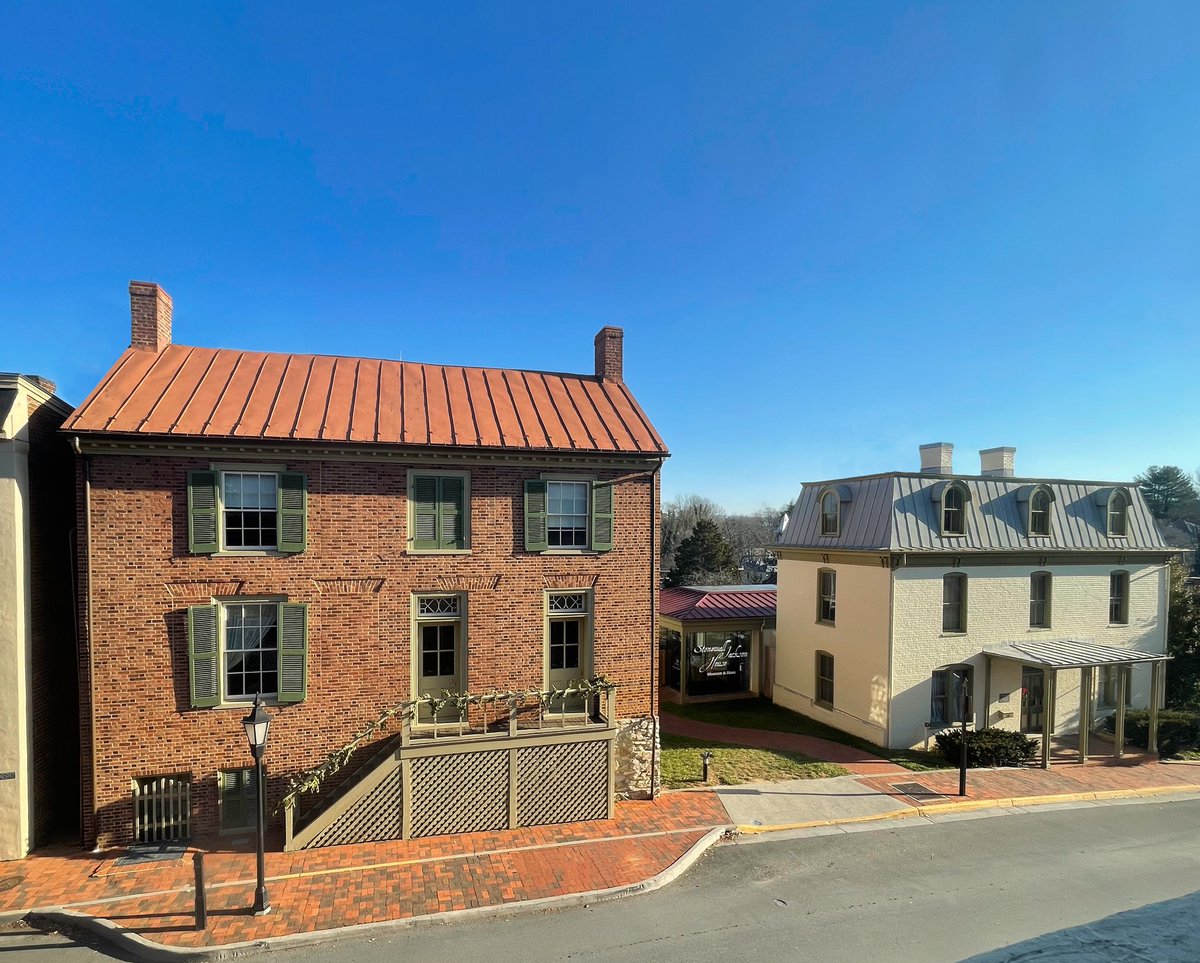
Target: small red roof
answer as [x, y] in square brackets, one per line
[695, 604]
[183, 392]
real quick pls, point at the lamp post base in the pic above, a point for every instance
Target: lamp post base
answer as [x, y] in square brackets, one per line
[261, 905]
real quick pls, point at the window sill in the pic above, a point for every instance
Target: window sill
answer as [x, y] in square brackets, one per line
[828, 622]
[249, 553]
[270, 703]
[569, 551]
[438, 551]
[823, 705]
[947, 634]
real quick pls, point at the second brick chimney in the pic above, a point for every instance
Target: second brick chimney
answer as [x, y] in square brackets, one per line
[608, 353]
[150, 308]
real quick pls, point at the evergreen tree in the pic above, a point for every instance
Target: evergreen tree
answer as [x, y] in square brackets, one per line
[1169, 493]
[1183, 641]
[703, 558]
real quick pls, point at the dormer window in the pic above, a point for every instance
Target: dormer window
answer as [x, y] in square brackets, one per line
[1118, 514]
[1039, 512]
[829, 513]
[953, 511]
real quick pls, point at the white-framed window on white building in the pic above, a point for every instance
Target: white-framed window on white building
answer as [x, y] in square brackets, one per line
[1118, 598]
[1106, 691]
[954, 602]
[947, 687]
[1118, 514]
[1039, 600]
[824, 671]
[830, 512]
[827, 596]
[954, 510]
[1039, 513]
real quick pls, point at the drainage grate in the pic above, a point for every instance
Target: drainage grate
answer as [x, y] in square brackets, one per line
[140, 853]
[916, 790]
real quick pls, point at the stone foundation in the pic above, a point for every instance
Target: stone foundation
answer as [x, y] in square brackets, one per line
[637, 754]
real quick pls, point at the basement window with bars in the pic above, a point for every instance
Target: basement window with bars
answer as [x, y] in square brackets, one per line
[162, 808]
[239, 649]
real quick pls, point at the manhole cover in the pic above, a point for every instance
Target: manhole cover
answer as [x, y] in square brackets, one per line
[9, 882]
[916, 790]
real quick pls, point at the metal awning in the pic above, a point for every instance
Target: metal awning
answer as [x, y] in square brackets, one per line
[1070, 654]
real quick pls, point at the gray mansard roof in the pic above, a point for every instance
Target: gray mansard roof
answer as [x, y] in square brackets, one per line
[899, 512]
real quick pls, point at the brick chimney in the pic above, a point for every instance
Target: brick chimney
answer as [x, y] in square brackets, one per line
[45, 384]
[150, 308]
[608, 353]
[997, 461]
[936, 458]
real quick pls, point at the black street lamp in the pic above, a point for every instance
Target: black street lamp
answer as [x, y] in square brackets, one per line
[963, 678]
[257, 724]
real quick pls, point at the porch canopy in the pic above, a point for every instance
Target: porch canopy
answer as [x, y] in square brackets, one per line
[1055, 655]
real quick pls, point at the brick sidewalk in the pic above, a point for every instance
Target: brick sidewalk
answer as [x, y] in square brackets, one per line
[1064, 778]
[854, 760]
[346, 885]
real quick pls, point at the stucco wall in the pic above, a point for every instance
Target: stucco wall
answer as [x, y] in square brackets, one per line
[858, 642]
[997, 612]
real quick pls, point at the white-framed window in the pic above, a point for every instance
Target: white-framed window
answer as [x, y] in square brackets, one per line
[954, 602]
[827, 596]
[825, 680]
[242, 647]
[1106, 692]
[250, 650]
[1039, 513]
[1039, 600]
[953, 510]
[830, 513]
[249, 510]
[947, 688]
[567, 513]
[1118, 598]
[1118, 514]
[252, 508]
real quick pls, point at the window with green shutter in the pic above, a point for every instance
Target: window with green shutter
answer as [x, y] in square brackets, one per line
[247, 510]
[239, 799]
[239, 649]
[439, 516]
[568, 513]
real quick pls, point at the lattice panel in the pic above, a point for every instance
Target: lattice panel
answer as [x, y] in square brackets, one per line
[562, 784]
[373, 818]
[465, 793]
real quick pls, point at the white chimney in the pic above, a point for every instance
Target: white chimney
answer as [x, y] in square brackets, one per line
[936, 458]
[997, 461]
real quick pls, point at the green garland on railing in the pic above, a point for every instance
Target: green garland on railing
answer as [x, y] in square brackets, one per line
[310, 779]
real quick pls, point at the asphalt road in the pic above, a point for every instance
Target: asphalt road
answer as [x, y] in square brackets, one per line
[1113, 882]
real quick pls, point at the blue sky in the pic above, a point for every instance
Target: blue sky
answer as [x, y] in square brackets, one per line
[831, 231]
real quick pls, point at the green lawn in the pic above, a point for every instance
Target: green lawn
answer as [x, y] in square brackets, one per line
[764, 714]
[731, 765]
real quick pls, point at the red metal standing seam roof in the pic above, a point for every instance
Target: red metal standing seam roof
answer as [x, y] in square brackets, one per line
[696, 604]
[223, 393]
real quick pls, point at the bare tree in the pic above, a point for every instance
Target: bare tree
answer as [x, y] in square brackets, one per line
[679, 517]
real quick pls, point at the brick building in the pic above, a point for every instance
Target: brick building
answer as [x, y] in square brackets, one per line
[39, 742]
[1045, 599]
[341, 535]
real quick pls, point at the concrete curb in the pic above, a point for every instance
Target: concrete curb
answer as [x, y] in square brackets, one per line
[145, 949]
[1011, 802]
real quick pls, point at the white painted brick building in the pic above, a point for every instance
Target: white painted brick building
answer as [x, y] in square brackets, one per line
[894, 587]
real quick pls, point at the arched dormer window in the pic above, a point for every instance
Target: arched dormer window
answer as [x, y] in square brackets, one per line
[1114, 505]
[830, 503]
[1037, 500]
[1118, 513]
[950, 501]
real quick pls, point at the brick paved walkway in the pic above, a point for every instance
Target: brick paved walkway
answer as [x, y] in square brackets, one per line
[344, 885]
[1101, 775]
[855, 760]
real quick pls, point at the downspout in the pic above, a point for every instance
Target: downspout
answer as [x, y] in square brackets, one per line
[87, 629]
[894, 562]
[654, 715]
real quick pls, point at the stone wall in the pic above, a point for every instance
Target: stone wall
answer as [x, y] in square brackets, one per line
[638, 748]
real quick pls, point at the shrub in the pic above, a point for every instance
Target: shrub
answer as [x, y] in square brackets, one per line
[1178, 729]
[987, 747]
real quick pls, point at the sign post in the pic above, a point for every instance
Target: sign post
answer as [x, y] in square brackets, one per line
[962, 756]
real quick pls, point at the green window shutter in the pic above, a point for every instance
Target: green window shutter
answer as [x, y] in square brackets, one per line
[602, 516]
[425, 512]
[536, 538]
[203, 656]
[452, 532]
[293, 512]
[293, 652]
[202, 512]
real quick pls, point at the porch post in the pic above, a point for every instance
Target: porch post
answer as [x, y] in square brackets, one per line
[1085, 710]
[1119, 727]
[1047, 713]
[1156, 685]
[987, 694]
